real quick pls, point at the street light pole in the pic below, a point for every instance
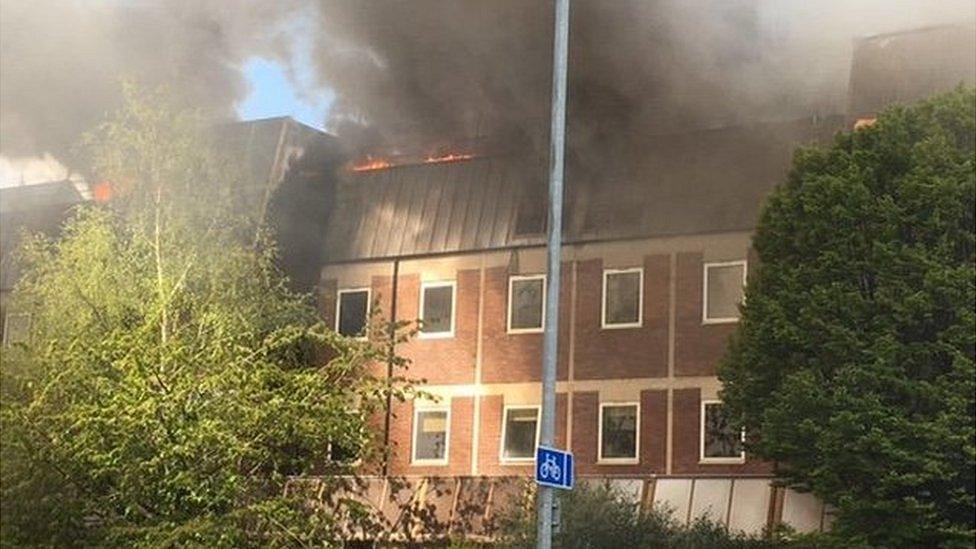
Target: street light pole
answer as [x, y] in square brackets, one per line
[557, 145]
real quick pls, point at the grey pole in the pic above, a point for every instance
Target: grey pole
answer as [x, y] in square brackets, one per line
[557, 139]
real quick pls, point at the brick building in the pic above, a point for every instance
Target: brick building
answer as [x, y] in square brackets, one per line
[652, 277]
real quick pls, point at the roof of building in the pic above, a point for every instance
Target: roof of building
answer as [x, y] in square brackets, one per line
[40, 207]
[698, 182]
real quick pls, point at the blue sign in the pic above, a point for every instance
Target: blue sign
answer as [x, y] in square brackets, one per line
[554, 468]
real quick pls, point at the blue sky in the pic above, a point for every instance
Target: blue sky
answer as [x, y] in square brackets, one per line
[272, 93]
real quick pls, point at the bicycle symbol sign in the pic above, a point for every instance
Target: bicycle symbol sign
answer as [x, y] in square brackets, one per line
[554, 468]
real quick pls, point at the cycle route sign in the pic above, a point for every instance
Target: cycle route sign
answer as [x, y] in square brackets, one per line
[554, 468]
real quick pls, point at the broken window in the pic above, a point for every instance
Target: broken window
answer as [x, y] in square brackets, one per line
[16, 328]
[430, 432]
[618, 431]
[622, 298]
[724, 290]
[353, 312]
[520, 431]
[526, 303]
[437, 309]
[721, 441]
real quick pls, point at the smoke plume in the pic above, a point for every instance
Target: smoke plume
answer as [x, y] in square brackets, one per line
[431, 70]
[62, 61]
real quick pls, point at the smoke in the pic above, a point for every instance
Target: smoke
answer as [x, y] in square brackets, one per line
[430, 71]
[435, 72]
[62, 61]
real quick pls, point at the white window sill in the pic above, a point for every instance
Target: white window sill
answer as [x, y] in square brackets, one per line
[429, 463]
[722, 461]
[517, 461]
[435, 335]
[622, 326]
[519, 331]
[618, 461]
[707, 321]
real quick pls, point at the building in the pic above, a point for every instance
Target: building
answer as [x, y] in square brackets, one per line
[279, 157]
[652, 277]
[39, 208]
[656, 253]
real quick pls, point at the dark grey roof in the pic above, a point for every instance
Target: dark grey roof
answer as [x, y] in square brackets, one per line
[40, 207]
[427, 208]
[698, 182]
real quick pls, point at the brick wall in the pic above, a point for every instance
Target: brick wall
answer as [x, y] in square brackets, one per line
[623, 352]
[698, 347]
[687, 421]
[509, 358]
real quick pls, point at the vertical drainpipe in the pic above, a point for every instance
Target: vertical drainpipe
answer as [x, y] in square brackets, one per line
[390, 358]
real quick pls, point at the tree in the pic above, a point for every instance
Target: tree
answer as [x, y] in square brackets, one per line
[172, 382]
[853, 365]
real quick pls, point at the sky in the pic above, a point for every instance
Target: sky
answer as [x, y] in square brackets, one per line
[272, 93]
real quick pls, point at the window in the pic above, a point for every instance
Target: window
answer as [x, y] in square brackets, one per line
[720, 441]
[16, 328]
[526, 303]
[437, 309]
[430, 436]
[520, 429]
[619, 428]
[352, 312]
[723, 291]
[623, 298]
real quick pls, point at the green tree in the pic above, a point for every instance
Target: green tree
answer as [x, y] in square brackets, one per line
[853, 365]
[172, 383]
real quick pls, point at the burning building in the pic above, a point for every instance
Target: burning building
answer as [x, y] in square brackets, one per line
[656, 255]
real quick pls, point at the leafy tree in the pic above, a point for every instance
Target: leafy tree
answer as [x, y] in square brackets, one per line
[172, 383]
[853, 366]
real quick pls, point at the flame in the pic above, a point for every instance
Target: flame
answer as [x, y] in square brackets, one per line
[369, 163]
[102, 191]
[449, 157]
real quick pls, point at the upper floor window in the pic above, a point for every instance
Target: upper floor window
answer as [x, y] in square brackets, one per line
[520, 432]
[352, 312]
[431, 432]
[437, 309]
[724, 285]
[16, 328]
[623, 298]
[526, 303]
[720, 441]
[619, 431]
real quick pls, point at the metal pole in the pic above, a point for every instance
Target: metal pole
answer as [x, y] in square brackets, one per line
[557, 138]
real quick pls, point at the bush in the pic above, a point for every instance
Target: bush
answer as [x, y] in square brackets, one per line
[600, 516]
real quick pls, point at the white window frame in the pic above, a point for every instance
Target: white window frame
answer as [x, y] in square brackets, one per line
[745, 270]
[421, 334]
[538, 423]
[640, 299]
[447, 436]
[6, 326]
[599, 438]
[701, 440]
[369, 303]
[508, 313]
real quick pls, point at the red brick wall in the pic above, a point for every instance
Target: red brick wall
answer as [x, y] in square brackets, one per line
[459, 447]
[697, 347]
[511, 358]
[654, 436]
[687, 424]
[490, 439]
[442, 360]
[626, 352]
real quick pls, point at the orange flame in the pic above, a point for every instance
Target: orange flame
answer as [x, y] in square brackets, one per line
[449, 157]
[102, 192]
[369, 163]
